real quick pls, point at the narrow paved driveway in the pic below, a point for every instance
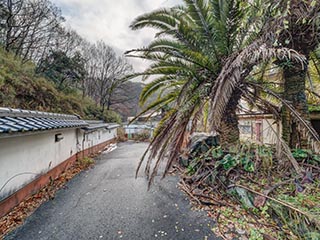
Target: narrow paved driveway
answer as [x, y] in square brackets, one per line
[107, 202]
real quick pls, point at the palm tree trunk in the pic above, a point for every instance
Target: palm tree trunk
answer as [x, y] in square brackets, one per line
[303, 35]
[294, 93]
[229, 133]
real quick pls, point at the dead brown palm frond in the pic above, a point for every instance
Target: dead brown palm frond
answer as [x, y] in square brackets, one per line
[238, 67]
[299, 28]
[286, 150]
[304, 127]
[141, 161]
[297, 117]
[159, 135]
[162, 134]
[166, 144]
[198, 117]
[175, 146]
[170, 147]
[169, 137]
[274, 110]
[260, 103]
[317, 95]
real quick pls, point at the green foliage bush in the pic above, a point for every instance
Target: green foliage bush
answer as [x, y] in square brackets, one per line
[142, 136]
[314, 108]
[92, 111]
[86, 161]
[306, 155]
[111, 117]
[121, 135]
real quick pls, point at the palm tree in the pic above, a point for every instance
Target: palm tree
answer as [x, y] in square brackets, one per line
[204, 51]
[201, 35]
[300, 30]
[313, 85]
[294, 27]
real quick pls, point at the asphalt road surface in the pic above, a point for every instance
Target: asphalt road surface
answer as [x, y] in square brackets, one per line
[107, 202]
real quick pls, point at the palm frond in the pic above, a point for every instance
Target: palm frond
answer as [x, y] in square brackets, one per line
[238, 67]
[163, 19]
[304, 127]
[157, 84]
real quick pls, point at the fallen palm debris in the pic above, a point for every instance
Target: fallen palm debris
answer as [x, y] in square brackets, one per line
[252, 194]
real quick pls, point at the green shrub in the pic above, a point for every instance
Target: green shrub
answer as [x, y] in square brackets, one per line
[121, 135]
[86, 161]
[111, 117]
[142, 136]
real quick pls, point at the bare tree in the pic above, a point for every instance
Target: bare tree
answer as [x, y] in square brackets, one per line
[105, 73]
[63, 40]
[33, 30]
[29, 27]
[68, 41]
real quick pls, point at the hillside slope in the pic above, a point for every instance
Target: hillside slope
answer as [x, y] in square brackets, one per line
[21, 88]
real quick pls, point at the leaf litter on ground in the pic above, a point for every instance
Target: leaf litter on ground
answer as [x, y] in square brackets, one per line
[18, 215]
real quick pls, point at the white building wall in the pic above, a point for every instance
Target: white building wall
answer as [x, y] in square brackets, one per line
[31, 156]
[138, 128]
[23, 158]
[271, 132]
[96, 137]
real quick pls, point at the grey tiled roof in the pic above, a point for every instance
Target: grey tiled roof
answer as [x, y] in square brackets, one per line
[94, 125]
[17, 120]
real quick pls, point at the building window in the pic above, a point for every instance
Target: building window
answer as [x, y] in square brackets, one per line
[58, 137]
[245, 129]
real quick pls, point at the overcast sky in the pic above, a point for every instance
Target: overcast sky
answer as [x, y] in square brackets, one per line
[109, 20]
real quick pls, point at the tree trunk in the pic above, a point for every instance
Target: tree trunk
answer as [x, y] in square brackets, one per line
[294, 93]
[9, 24]
[229, 133]
[103, 108]
[109, 102]
[302, 36]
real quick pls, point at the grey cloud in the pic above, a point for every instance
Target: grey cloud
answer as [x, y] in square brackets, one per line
[109, 20]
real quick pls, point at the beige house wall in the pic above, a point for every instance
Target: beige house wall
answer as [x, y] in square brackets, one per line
[261, 129]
